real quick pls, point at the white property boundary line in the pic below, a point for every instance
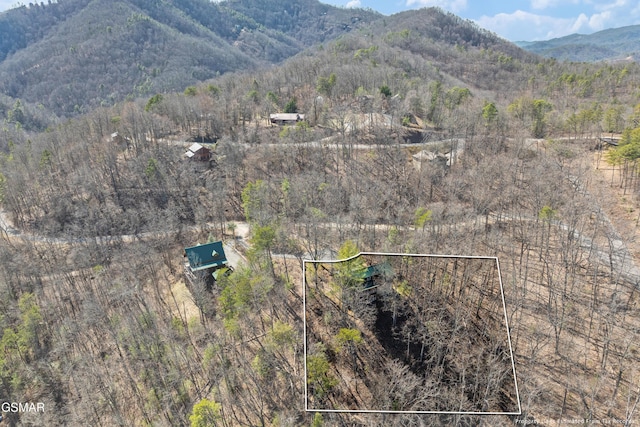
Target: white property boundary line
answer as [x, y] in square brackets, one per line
[367, 411]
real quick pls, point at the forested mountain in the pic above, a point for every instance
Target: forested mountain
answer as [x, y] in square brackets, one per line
[423, 135]
[614, 44]
[75, 54]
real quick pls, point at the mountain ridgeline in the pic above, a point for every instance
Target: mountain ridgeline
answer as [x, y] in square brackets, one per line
[615, 44]
[71, 56]
[76, 54]
[423, 134]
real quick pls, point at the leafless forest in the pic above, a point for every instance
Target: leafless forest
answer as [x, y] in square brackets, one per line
[415, 333]
[97, 321]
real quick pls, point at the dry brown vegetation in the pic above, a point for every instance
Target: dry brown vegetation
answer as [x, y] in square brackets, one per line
[94, 324]
[427, 334]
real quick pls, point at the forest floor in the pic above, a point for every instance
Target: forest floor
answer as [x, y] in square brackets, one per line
[622, 208]
[383, 355]
[536, 348]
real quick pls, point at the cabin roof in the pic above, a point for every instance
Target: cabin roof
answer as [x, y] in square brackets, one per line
[209, 255]
[287, 117]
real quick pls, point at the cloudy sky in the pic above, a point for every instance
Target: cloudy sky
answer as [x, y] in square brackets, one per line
[512, 19]
[528, 20]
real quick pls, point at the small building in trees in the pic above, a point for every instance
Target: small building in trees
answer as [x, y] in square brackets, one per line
[282, 119]
[372, 274]
[426, 157]
[610, 141]
[198, 152]
[205, 262]
[118, 139]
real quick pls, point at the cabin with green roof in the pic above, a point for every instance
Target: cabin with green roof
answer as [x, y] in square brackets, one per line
[205, 262]
[372, 272]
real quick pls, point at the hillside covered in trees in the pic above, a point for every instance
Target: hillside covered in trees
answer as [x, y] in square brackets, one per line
[73, 55]
[425, 136]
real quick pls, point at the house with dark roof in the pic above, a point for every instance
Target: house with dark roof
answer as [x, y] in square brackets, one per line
[374, 272]
[205, 262]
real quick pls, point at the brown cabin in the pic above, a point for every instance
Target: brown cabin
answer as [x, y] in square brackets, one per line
[198, 152]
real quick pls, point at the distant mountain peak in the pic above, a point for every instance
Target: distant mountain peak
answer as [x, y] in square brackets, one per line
[613, 44]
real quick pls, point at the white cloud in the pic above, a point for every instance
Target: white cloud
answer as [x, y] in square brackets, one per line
[546, 4]
[8, 4]
[542, 4]
[454, 6]
[600, 21]
[527, 26]
[590, 16]
[581, 21]
[613, 14]
[354, 3]
[617, 4]
[616, 13]
[562, 17]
